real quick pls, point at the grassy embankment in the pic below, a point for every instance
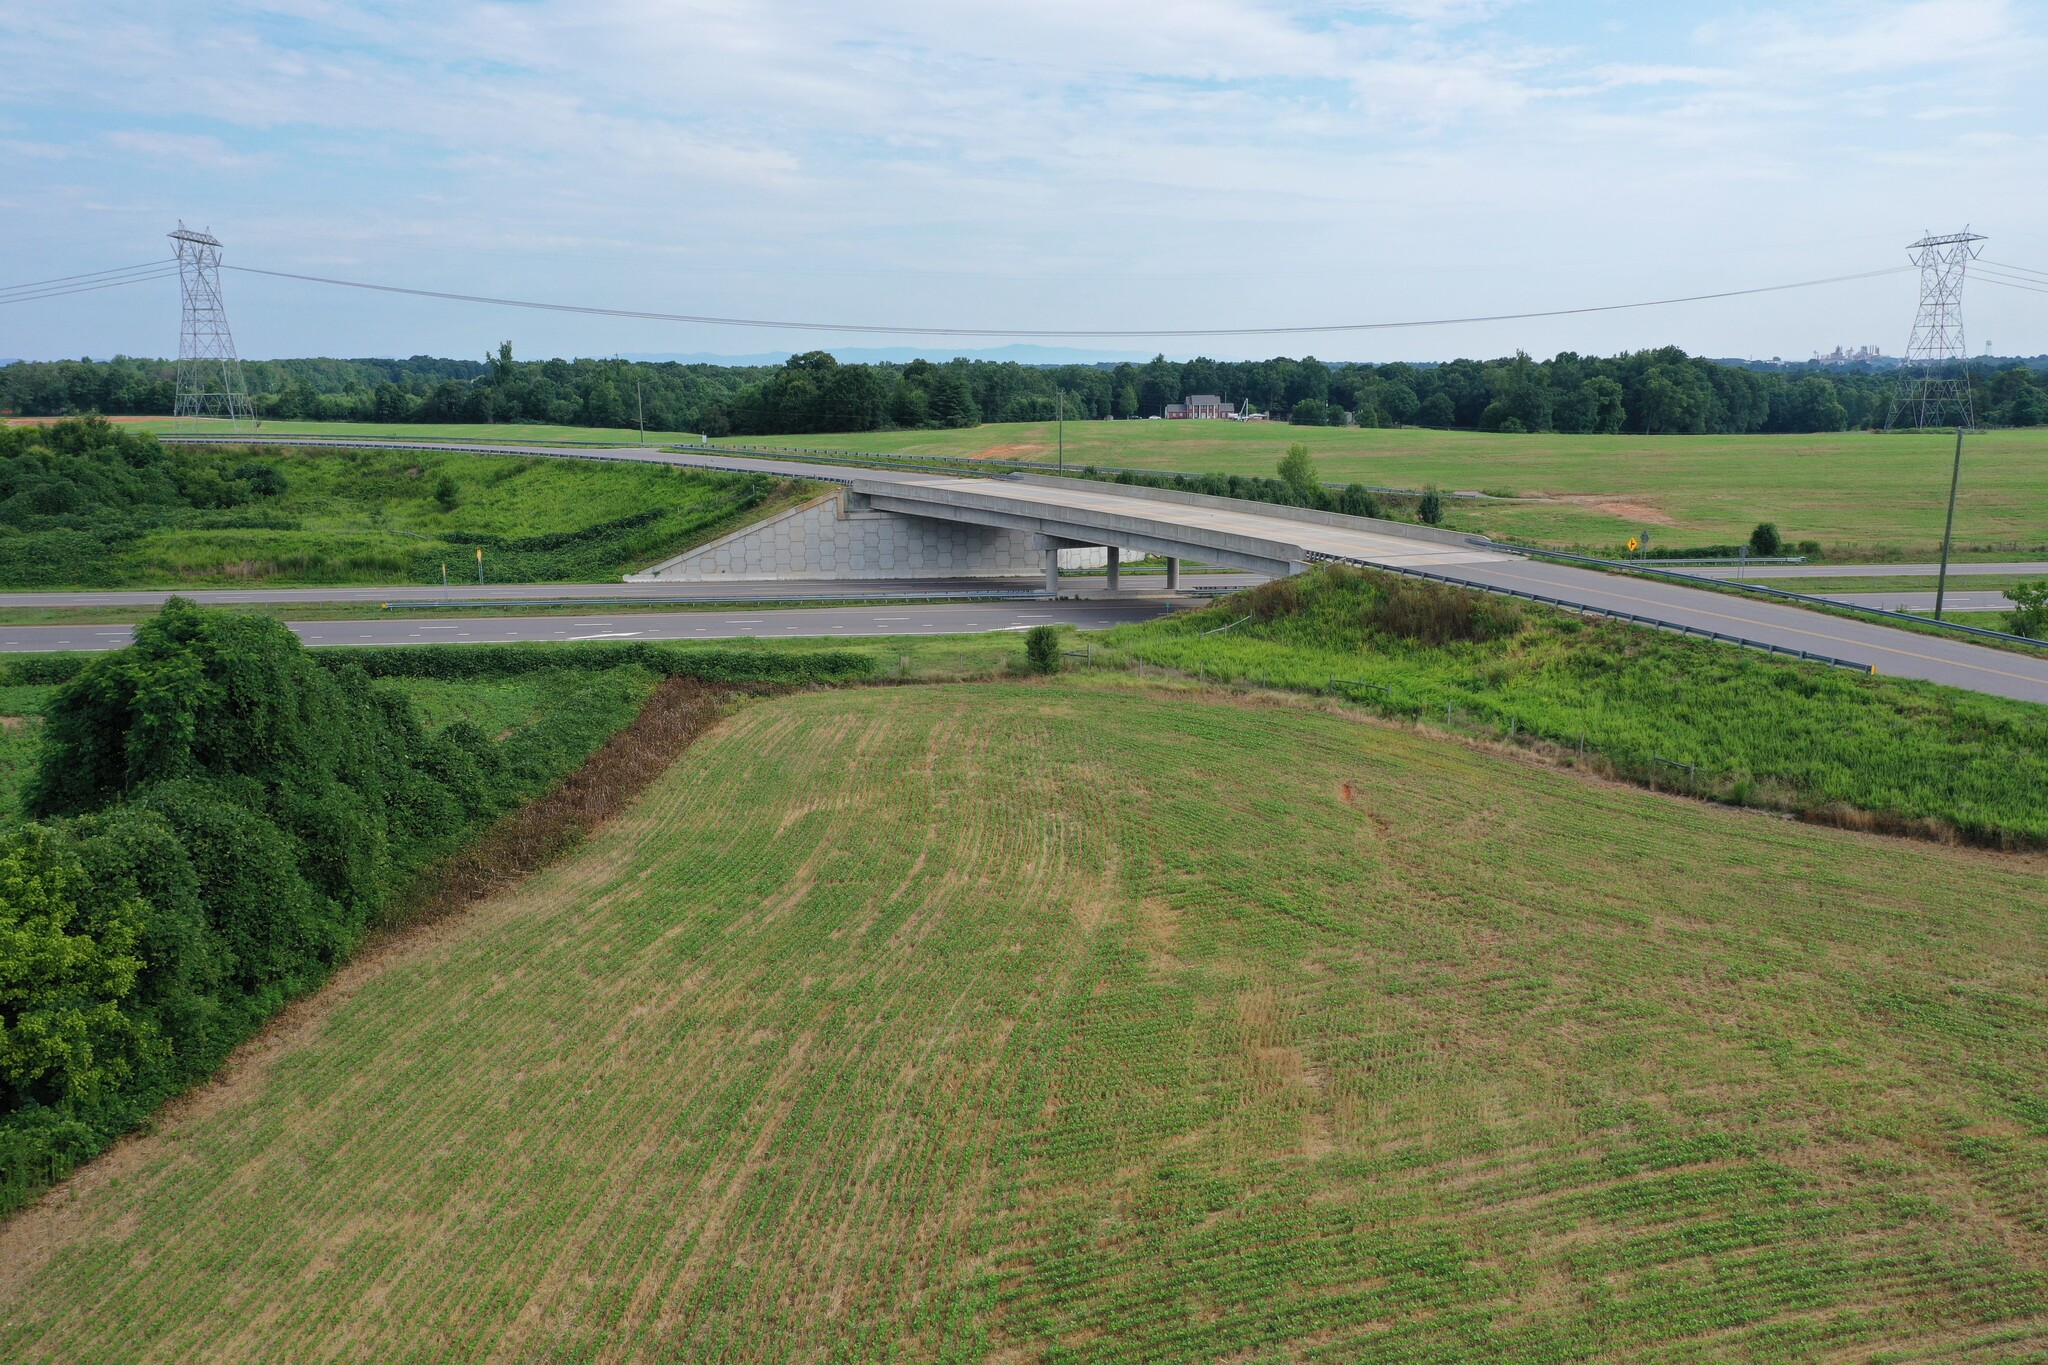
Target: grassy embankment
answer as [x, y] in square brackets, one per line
[1758, 731]
[381, 516]
[1085, 1022]
[1861, 495]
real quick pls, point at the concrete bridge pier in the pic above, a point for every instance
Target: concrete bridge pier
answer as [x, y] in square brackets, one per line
[1115, 562]
[1052, 569]
[1173, 573]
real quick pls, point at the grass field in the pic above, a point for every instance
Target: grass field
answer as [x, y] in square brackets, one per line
[372, 516]
[1857, 493]
[1077, 1022]
[517, 432]
[1854, 492]
[1739, 725]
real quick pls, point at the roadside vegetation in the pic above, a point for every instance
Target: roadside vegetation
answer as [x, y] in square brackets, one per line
[1077, 1020]
[86, 503]
[217, 817]
[1690, 715]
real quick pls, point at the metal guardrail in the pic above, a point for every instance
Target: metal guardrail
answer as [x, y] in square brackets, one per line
[1232, 626]
[880, 599]
[1803, 598]
[1633, 618]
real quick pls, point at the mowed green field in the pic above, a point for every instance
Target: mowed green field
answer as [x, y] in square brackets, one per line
[521, 433]
[1849, 490]
[1081, 1022]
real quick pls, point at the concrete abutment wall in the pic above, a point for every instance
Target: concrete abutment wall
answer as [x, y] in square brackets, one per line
[838, 537]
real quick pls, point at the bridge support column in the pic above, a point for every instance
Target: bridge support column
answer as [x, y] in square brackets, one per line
[1115, 558]
[1052, 569]
[1173, 573]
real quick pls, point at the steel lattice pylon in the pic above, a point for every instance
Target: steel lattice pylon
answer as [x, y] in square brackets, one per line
[1928, 394]
[209, 373]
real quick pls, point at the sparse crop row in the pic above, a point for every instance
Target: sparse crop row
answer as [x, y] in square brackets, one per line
[1068, 1024]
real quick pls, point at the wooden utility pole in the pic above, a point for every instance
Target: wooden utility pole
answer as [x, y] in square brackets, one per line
[1955, 477]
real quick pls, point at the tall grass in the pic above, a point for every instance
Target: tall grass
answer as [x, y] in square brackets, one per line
[1741, 726]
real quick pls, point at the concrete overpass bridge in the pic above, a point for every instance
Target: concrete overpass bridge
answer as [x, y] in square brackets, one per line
[989, 527]
[897, 523]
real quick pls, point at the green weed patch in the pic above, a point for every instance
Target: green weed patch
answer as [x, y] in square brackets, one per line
[1716, 720]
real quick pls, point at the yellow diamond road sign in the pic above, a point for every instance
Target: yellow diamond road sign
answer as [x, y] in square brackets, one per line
[1634, 544]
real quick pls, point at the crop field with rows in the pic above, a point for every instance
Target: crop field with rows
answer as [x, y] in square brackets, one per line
[1083, 1021]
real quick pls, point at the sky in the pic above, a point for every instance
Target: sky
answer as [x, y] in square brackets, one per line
[1062, 165]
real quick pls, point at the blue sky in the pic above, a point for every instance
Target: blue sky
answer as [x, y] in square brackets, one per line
[1059, 164]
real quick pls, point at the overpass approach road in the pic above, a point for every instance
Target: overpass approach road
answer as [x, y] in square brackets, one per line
[1262, 538]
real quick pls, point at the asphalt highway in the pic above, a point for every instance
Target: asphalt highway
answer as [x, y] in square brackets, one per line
[931, 618]
[1924, 601]
[618, 592]
[2022, 569]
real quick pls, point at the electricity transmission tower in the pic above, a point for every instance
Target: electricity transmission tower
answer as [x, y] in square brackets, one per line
[209, 374]
[1930, 392]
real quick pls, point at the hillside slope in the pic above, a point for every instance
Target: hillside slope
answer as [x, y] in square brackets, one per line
[1078, 1022]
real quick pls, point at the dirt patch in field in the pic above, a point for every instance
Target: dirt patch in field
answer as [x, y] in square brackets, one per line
[1010, 451]
[680, 710]
[1616, 507]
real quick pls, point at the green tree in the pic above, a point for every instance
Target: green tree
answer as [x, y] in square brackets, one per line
[1601, 410]
[1042, 649]
[67, 962]
[1765, 540]
[1430, 511]
[953, 403]
[2029, 615]
[1298, 471]
[1358, 501]
[445, 493]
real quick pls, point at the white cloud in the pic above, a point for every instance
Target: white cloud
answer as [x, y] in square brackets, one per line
[1032, 162]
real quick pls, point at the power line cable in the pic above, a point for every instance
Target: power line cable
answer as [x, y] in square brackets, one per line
[2016, 269]
[777, 324]
[2010, 284]
[89, 275]
[170, 274]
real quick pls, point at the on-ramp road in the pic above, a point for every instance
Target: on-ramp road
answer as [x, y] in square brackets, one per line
[1889, 650]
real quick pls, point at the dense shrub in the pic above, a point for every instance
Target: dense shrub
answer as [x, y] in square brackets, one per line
[1430, 511]
[2029, 615]
[1765, 540]
[673, 661]
[1437, 613]
[225, 816]
[73, 494]
[1042, 649]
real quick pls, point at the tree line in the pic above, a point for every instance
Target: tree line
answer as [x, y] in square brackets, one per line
[1661, 391]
